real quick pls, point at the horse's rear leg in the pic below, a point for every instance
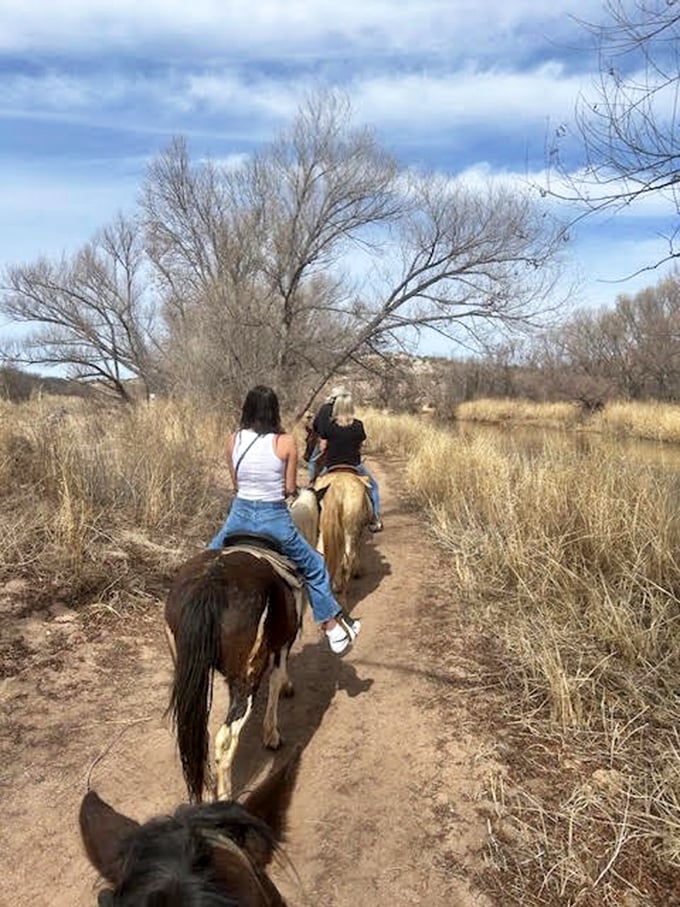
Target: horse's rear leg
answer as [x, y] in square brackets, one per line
[226, 741]
[278, 683]
[242, 689]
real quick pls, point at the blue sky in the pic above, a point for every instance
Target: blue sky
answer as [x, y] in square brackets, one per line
[91, 91]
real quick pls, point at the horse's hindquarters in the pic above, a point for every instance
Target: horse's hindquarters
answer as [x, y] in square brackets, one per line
[232, 612]
[345, 514]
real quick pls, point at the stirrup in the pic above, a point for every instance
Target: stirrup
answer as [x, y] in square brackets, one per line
[352, 625]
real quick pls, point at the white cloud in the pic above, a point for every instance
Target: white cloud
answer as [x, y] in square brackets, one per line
[270, 26]
[437, 103]
[491, 98]
[54, 91]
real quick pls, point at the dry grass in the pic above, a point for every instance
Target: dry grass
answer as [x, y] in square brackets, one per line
[90, 496]
[568, 559]
[524, 412]
[651, 421]
[394, 434]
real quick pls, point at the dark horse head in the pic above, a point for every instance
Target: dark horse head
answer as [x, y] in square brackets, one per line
[209, 855]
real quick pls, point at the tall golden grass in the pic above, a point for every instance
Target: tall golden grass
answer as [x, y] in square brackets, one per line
[565, 555]
[568, 558]
[525, 412]
[649, 420]
[652, 421]
[87, 492]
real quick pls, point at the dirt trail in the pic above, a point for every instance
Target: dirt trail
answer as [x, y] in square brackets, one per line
[386, 810]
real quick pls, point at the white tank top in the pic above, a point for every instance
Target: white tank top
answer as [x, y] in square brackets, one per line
[261, 473]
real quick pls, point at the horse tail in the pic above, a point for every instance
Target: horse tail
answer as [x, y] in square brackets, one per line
[197, 639]
[332, 530]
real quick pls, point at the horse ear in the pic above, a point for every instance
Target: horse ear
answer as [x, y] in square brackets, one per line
[105, 834]
[269, 802]
[320, 492]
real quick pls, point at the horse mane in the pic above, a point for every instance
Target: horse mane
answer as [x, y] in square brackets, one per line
[174, 861]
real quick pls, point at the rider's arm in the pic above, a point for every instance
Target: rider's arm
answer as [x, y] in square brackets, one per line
[287, 450]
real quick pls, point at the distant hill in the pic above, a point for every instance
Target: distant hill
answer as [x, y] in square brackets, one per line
[17, 385]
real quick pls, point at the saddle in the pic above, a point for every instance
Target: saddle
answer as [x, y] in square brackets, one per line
[341, 467]
[267, 548]
[256, 539]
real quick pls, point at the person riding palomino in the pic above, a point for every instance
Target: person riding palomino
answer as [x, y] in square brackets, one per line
[262, 462]
[313, 453]
[341, 439]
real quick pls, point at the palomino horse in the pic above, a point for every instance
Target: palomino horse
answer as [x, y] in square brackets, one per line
[229, 611]
[305, 513]
[213, 854]
[345, 514]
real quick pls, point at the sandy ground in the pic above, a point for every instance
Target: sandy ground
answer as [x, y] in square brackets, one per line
[388, 809]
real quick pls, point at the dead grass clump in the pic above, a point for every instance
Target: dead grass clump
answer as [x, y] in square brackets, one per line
[645, 420]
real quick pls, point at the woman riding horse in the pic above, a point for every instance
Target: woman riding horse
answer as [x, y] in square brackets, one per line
[262, 462]
[341, 441]
[316, 430]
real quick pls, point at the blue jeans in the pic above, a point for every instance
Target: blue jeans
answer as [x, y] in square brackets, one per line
[372, 489]
[273, 518]
[311, 465]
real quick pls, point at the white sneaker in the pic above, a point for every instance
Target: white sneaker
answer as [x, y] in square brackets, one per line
[342, 634]
[338, 639]
[352, 625]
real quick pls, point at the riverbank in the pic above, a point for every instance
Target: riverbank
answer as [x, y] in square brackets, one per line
[651, 421]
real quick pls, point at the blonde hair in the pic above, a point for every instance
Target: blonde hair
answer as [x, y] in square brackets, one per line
[343, 409]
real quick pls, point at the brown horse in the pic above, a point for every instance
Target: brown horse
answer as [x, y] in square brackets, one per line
[345, 514]
[229, 611]
[214, 854]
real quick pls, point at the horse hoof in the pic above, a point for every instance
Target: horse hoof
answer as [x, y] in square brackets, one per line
[288, 690]
[274, 741]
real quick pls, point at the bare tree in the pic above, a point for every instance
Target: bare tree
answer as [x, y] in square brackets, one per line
[630, 350]
[253, 267]
[627, 127]
[92, 311]
[463, 259]
[247, 253]
[253, 259]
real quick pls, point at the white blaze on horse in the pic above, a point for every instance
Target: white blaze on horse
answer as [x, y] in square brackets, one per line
[345, 513]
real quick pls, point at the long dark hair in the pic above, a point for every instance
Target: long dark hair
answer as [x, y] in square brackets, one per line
[260, 411]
